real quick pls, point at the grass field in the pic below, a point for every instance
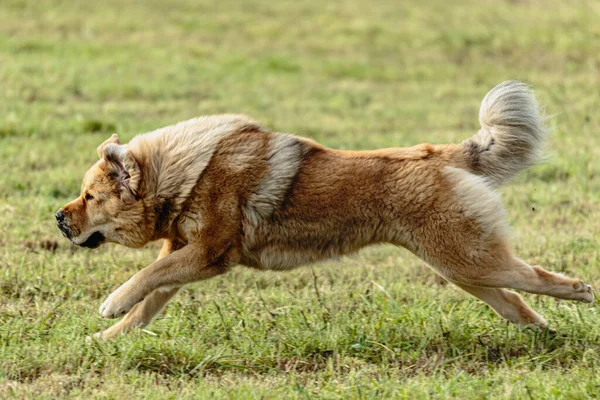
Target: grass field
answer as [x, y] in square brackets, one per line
[352, 75]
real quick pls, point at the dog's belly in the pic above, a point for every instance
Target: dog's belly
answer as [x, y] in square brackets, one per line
[285, 246]
[281, 259]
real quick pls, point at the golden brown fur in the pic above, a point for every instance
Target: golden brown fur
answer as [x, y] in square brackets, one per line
[222, 191]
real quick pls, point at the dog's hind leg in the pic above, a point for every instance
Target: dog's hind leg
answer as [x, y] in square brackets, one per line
[487, 268]
[507, 304]
[535, 279]
[475, 253]
[143, 312]
[513, 273]
[495, 269]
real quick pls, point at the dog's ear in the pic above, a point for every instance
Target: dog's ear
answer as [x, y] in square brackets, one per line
[114, 138]
[126, 170]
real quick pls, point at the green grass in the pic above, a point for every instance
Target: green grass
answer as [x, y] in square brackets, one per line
[351, 75]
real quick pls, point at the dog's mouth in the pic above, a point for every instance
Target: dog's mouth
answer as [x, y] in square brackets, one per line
[65, 230]
[94, 241]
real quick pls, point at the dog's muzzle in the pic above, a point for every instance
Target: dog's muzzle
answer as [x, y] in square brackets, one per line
[95, 239]
[62, 225]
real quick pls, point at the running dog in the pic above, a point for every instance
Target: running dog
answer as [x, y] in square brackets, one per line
[223, 191]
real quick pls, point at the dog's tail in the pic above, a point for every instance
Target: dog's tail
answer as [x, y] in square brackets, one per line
[512, 134]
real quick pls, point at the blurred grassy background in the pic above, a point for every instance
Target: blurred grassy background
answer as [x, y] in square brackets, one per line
[349, 74]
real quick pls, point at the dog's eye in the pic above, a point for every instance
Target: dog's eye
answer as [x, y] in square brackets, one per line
[89, 197]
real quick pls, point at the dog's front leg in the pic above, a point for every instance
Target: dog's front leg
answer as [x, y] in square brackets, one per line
[143, 312]
[189, 264]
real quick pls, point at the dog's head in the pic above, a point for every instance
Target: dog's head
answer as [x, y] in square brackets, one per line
[110, 206]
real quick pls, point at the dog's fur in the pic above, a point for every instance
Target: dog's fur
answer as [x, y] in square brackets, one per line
[223, 191]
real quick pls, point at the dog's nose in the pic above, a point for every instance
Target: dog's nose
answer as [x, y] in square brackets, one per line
[60, 216]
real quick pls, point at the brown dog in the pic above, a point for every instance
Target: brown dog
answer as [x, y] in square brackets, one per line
[223, 191]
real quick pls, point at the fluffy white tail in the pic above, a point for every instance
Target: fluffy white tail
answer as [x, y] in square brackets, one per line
[512, 134]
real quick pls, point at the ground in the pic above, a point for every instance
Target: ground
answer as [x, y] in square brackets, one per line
[352, 75]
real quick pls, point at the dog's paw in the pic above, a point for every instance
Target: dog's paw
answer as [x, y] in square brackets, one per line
[119, 302]
[584, 291]
[104, 335]
[113, 308]
[94, 338]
